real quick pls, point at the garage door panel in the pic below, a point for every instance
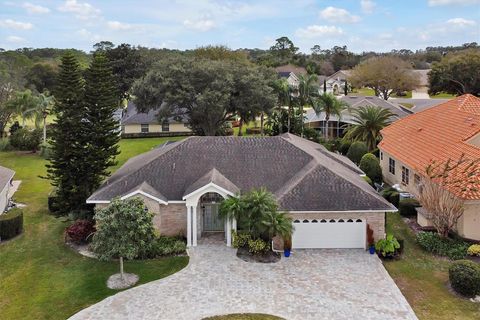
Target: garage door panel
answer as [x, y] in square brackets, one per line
[329, 234]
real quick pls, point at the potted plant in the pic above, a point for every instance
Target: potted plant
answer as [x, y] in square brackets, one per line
[287, 246]
[371, 240]
[387, 247]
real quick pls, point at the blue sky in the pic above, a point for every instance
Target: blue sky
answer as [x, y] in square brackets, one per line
[379, 25]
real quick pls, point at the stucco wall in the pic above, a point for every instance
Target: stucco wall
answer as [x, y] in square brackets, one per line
[137, 128]
[396, 178]
[4, 197]
[375, 220]
[468, 225]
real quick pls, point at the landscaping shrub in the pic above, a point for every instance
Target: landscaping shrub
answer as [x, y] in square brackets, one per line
[311, 134]
[5, 145]
[474, 250]
[344, 146]
[369, 181]
[45, 150]
[80, 231]
[240, 240]
[371, 166]
[388, 246]
[164, 246]
[11, 224]
[464, 277]
[391, 195]
[53, 205]
[257, 246]
[407, 207]
[356, 151]
[434, 243]
[26, 140]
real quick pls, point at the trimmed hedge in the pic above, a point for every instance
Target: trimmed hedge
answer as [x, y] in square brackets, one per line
[11, 224]
[392, 196]
[356, 151]
[407, 207]
[464, 277]
[434, 243]
[371, 166]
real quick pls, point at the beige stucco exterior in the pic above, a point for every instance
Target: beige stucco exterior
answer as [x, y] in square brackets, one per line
[468, 226]
[152, 127]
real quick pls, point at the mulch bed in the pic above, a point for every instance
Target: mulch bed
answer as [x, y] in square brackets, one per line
[268, 257]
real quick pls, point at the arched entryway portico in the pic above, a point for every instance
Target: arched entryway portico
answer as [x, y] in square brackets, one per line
[202, 213]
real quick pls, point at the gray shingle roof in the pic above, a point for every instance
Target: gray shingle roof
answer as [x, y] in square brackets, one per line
[299, 172]
[360, 101]
[5, 176]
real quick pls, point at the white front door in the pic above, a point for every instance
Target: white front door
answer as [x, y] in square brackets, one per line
[329, 233]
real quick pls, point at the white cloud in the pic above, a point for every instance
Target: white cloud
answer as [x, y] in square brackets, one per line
[118, 26]
[460, 22]
[84, 33]
[333, 14]
[35, 9]
[433, 3]
[367, 6]
[316, 31]
[12, 24]
[200, 25]
[82, 10]
[15, 39]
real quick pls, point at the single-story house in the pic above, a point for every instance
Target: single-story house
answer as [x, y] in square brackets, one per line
[143, 124]
[443, 132]
[183, 183]
[6, 178]
[337, 126]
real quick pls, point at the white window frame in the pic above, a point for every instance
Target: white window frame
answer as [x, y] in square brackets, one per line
[144, 128]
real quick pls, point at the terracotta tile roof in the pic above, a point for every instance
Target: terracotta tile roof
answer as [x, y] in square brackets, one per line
[437, 134]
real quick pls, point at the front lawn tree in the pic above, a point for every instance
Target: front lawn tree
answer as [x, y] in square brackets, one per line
[457, 73]
[124, 230]
[330, 105]
[384, 75]
[441, 189]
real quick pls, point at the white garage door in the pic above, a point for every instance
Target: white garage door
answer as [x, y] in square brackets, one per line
[332, 233]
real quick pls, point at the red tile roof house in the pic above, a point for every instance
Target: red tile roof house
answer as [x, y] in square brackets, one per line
[183, 182]
[443, 132]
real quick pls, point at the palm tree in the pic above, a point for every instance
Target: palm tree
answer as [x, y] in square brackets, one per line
[368, 121]
[329, 104]
[307, 89]
[284, 92]
[278, 223]
[22, 102]
[42, 108]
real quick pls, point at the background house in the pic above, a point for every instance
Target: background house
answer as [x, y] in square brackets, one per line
[6, 177]
[338, 126]
[147, 124]
[443, 132]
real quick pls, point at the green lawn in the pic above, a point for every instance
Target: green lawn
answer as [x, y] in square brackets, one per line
[245, 316]
[363, 92]
[40, 278]
[442, 96]
[251, 124]
[423, 279]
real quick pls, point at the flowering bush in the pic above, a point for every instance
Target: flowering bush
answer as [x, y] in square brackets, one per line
[474, 250]
[257, 246]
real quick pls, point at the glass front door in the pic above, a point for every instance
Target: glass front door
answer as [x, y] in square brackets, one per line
[211, 220]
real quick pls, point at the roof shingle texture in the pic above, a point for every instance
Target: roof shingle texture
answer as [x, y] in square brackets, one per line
[437, 134]
[300, 175]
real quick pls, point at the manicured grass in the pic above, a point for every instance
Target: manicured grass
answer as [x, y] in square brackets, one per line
[407, 105]
[408, 95]
[363, 92]
[423, 279]
[41, 278]
[245, 316]
[442, 96]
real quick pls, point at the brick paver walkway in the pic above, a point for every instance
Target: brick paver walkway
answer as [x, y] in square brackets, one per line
[311, 284]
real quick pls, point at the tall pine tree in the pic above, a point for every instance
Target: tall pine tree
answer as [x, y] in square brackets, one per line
[101, 103]
[67, 168]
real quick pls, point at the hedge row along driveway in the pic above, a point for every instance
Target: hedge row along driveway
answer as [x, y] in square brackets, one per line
[40, 278]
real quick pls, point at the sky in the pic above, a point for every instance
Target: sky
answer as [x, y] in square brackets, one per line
[362, 25]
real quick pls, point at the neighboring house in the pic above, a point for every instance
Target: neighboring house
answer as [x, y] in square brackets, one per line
[6, 176]
[443, 132]
[335, 82]
[138, 124]
[183, 183]
[421, 92]
[291, 73]
[337, 126]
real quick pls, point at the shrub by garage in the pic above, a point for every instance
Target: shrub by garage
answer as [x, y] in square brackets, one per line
[81, 231]
[408, 207]
[464, 277]
[11, 224]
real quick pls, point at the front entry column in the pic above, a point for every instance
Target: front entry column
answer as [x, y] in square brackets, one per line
[194, 226]
[189, 226]
[229, 232]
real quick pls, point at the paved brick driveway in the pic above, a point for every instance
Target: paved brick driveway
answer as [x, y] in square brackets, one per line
[311, 284]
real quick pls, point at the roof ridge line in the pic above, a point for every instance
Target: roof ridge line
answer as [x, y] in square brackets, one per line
[296, 179]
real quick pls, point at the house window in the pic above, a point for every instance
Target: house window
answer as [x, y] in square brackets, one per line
[416, 180]
[144, 128]
[405, 175]
[391, 166]
[381, 155]
[165, 126]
